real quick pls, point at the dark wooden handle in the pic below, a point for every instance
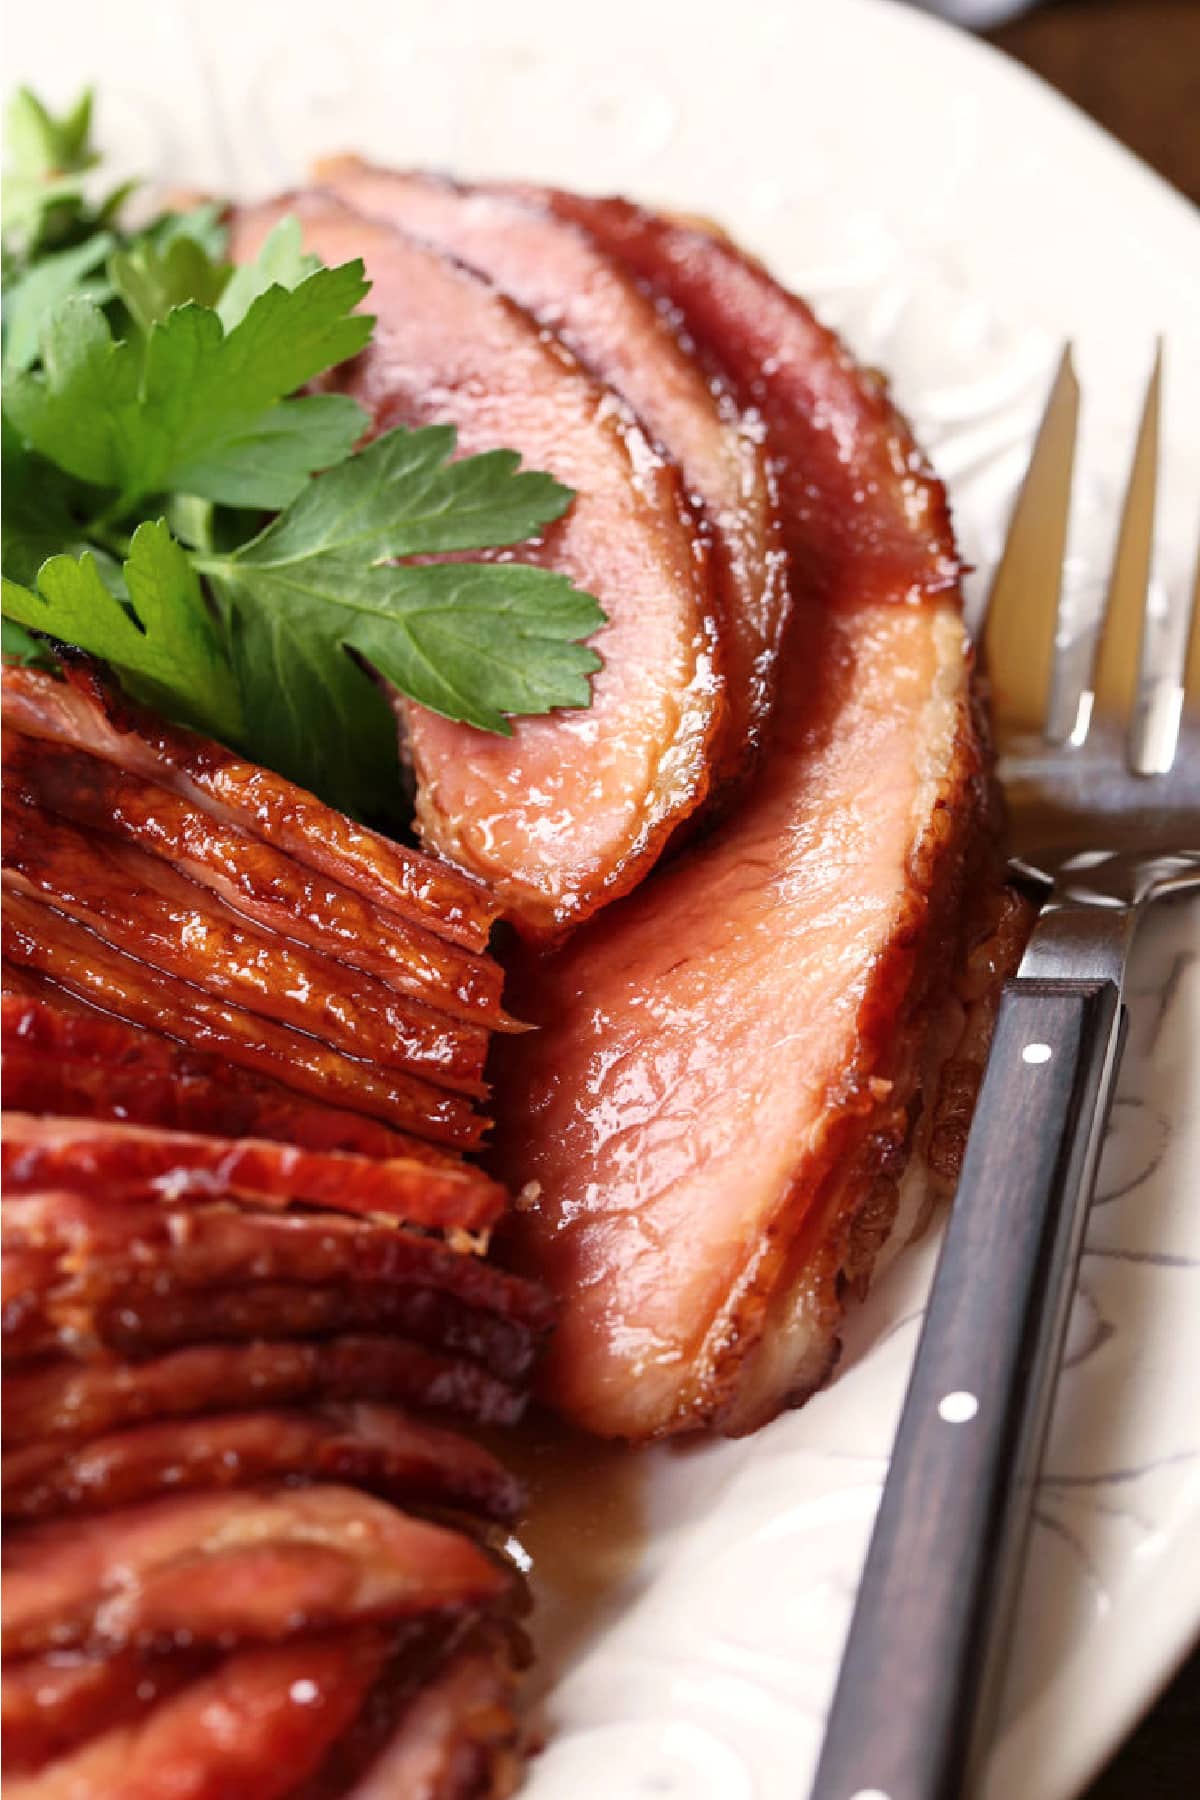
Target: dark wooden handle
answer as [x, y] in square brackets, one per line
[912, 1700]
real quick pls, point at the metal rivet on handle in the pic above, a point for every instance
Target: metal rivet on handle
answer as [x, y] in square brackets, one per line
[958, 1407]
[1036, 1053]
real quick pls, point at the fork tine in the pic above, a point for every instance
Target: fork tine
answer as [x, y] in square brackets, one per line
[1120, 657]
[1021, 620]
[1191, 666]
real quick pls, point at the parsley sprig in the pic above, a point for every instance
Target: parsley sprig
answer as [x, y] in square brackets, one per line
[152, 418]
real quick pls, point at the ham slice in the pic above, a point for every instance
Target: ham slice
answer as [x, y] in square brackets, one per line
[71, 1401]
[151, 1081]
[217, 1569]
[142, 906]
[85, 714]
[376, 1447]
[53, 1702]
[128, 1161]
[48, 942]
[261, 882]
[574, 807]
[137, 1278]
[456, 1739]
[722, 1095]
[557, 272]
[255, 1725]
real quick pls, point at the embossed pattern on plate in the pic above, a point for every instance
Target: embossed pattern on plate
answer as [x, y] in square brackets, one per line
[956, 221]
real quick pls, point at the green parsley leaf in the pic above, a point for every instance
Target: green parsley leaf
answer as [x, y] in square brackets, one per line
[164, 642]
[45, 157]
[31, 297]
[281, 261]
[310, 601]
[181, 409]
[20, 646]
[152, 278]
[402, 496]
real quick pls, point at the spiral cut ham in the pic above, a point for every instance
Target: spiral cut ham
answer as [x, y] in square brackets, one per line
[246, 1314]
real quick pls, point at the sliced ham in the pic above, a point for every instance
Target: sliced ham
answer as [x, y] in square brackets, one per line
[557, 272]
[255, 1725]
[253, 1566]
[186, 1091]
[52, 1702]
[863, 516]
[721, 1097]
[83, 713]
[71, 1401]
[142, 906]
[47, 941]
[265, 884]
[455, 1740]
[128, 1161]
[575, 806]
[372, 1446]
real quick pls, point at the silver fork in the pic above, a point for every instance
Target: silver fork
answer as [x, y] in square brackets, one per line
[1103, 791]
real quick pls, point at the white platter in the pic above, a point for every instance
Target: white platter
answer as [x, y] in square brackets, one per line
[957, 221]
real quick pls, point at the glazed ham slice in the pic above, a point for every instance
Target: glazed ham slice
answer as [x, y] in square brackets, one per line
[142, 906]
[257, 1724]
[722, 1095]
[126, 1161]
[455, 1740]
[82, 713]
[63, 950]
[261, 882]
[71, 1061]
[70, 1401]
[574, 807]
[254, 1566]
[52, 1702]
[556, 271]
[375, 1447]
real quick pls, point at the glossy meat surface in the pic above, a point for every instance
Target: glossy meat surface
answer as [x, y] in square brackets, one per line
[75, 1401]
[253, 1726]
[129, 1161]
[142, 906]
[372, 1446]
[262, 882]
[52, 1702]
[456, 1740]
[863, 517]
[775, 987]
[84, 714]
[240, 1567]
[575, 806]
[52, 944]
[556, 271]
[86, 1065]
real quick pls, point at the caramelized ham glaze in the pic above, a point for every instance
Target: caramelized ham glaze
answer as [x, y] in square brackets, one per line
[124, 1162]
[261, 882]
[53, 945]
[573, 807]
[73, 1401]
[722, 1095]
[83, 713]
[375, 1447]
[66, 1059]
[557, 272]
[257, 1723]
[223, 1568]
[142, 906]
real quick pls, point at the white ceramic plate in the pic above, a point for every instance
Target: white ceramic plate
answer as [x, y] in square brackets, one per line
[957, 221]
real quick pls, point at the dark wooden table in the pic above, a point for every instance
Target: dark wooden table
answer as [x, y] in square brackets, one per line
[1134, 65]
